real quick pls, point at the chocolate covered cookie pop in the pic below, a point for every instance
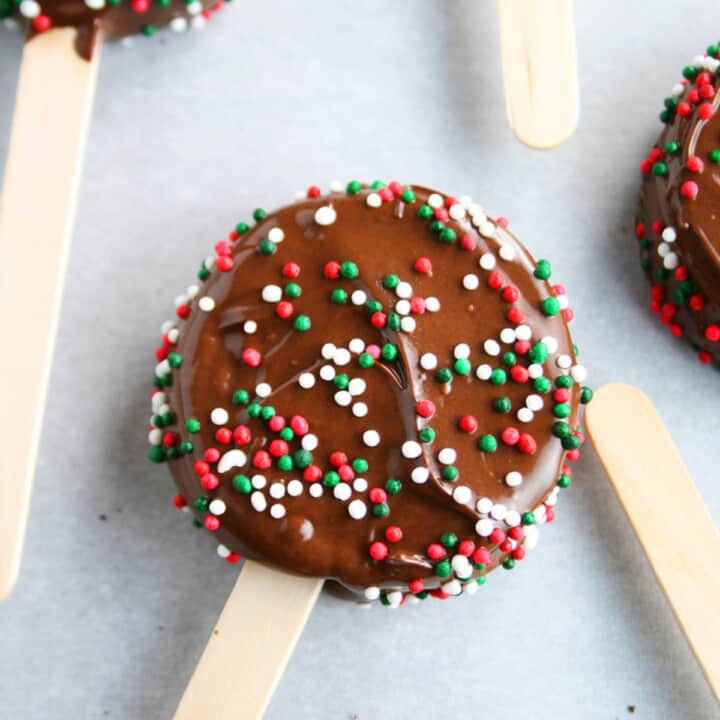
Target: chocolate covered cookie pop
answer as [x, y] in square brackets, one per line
[115, 18]
[678, 224]
[376, 385]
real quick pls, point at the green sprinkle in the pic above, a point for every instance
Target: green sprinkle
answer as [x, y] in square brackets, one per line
[267, 247]
[240, 397]
[509, 359]
[302, 459]
[502, 404]
[498, 377]
[147, 30]
[258, 214]
[393, 486]
[564, 481]
[353, 187]
[172, 453]
[338, 296]
[331, 479]
[538, 353]
[156, 454]
[427, 435]
[267, 412]
[487, 443]
[448, 236]
[437, 226]
[174, 360]
[186, 447]
[562, 410]
[192, 425]
[689, 72]
[586, 395]
[715, 156]
[242, 484]
[302, 323]
[393, 321]
[203, 273]
[462, 366]
[550, 306]
[448, 540]
[285, 463]
[254, 409]
[659, 169]
[561, 430]
[360, 465]
[408, 196]
[564, 381]
[373, 306]
[450, 473]
[378, 185]
[381, 510]
[341, 381]
[293, 290]
[572, 442]
[443, 375]
[241, 228]
[542, 384]
[528, 518]
[425, 212]
[349, 270]
[543, 270]
[366, 360]
[391, 281]
[443, 569]
[202, 504]
[389, 351]
[672, 148]
[287, 434]
[508, 563]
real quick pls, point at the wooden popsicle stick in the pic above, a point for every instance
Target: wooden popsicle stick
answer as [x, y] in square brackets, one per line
[47, 142]
[250, 645]
[537, 42]
[664, 507]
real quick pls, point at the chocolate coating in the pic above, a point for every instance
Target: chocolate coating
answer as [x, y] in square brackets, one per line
[114, 18]
[678, 224]
[317, 536]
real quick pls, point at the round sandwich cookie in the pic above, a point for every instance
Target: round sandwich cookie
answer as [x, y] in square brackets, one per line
[375, 385]
[114, 18]
[678, 223]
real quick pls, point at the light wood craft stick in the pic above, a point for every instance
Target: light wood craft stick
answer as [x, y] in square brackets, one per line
[50, 126]
[665, 509]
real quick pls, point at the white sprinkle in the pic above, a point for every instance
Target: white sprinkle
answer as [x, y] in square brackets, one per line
[535, 370]
[250, 327]
[343, 398]
[309, 442]
[206, 304]
[360, 484]
[327, 351]
[461, 351]
[357, 510]
[402, 307]
[276, 235]
[408, 324]
[272, 293]
[316, 490]
[579, 373]
[550, 343]
[523, 332]
[359, 297]
[428, 361]
[461, 566]
[223, 551]
[671, 261]
[513, 479]
[166, 326]
[447, 456]
[507, 252]
[258, 501]
[373, 200]
[336, 186]
[372, 593]
[507, 335]
[663, 249]
[306, 380]
[534, 402]
[327, 373]
[432, 304]
[194, 8]
[325, 215]
[162, 368]
[484, 505]
[209, 262]
[462, 495]
[263, 390]
[435, 200]
[178, 24]
[491, 347]
[486, 228]
[359, 409]
[484, 527]
[155, 436]
[525, 415]
[95, 4]
[530, 537]
[498, 512]
[192, 291]
[452, 587]
[483, 372]
[219, 416]
[173, 335]
[342, 491]
[258, 481]
[231, 459]
[277, 511]
[294, 488]
[512, 519]
[487, 261]
[419, 475]
[411, 449]
[29, 9]
[356, 345]
[564, 361]
[404, 290]
[471, 281]
[371, 438]
[563, 301]
[457, 211]
[277, 490]
[342, 356]
[357, 386]
[466, 201]
[217, 507]
[158, 399]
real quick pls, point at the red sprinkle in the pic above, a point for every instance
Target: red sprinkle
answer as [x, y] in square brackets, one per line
[262, 460]
[291, 270]
[284, 309]
[312, 473]
[313, 191]
[331, 270]
[338, 458]
[212, 523]
[425, 408]
[299, 424]
[252, 357]
[179, 502]
[377, 495]
[526, 444]
[209, 481]
[241, 435]
[423, 265]
[510, 436]
[378, 551]
[224, 263]
[468, 423]
[212, 455]
[689, 189]
[224, 436]
[393, 534]
[435, 551]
